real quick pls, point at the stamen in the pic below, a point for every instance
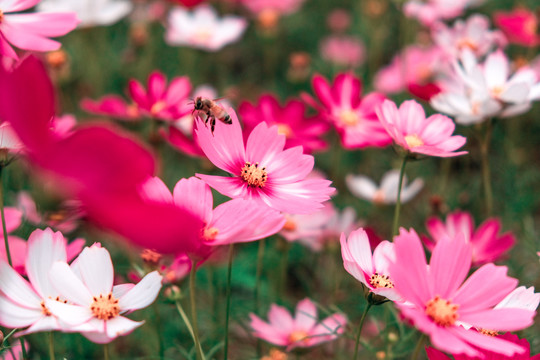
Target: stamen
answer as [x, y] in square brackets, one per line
[298, 336]
[413, 141]
[491, 333]
[349, 118]
[467, 43]
[442, 311]
[254, 175]
[381, 281]
[378, 197]
[290, 225]
[158, 107]
[1, 15]
[209, 234]
[44, 309]
[150, 256]
[105, 307]
[284, 129]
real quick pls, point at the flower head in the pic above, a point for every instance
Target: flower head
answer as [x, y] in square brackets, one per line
[90, 12]
[429, 11]
[411, 130]
[261, 169]
[439, 298]
[304, 330]
[343, 50]
[519, 25]
[487, 244]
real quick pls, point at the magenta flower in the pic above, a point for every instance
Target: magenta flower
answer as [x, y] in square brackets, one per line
[434, 354]
[93, 301]
[304, 330]
[354, 117]
[298, 129]
[261, 169]
[31, 31]
[487, 245]
[439, 298]
[22, 304]
[370, 270]
[411, 130]
[158, 101]
[519, 25]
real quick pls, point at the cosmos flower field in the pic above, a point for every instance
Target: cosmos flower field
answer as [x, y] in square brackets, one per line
[269, 179]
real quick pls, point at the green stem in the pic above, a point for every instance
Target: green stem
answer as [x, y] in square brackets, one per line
[283, 273]
[106, 351]
[158, 330]
[258, 273]
[200, 354]
[418, 347]
[362, 320]
[185, 318]
[486, 178]
[228, 306]
[51, 346]
[23, 348]
[398, 200]
[6, 242]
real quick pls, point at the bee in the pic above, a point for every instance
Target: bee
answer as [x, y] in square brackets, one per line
[212, 112]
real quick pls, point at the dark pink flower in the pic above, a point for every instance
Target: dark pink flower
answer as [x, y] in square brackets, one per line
[290, 119]
[157, 101]
[487, 244]
[438, 298]
[261, 169]
[519, 25]
[354, 117]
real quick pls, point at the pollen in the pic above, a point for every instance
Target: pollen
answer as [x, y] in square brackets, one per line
[491, 333]
[44, 310]
[442, 311]
[105, 307]
[254, 175]
[150, 256]
[298, 336]
[158, 107]
[209, 234]
[284, 129]
[413, 141]
[496, 91]
[1, 15]
[381, 281]
[290, 225]
[467, 43]
[378, 197]
[349, 118]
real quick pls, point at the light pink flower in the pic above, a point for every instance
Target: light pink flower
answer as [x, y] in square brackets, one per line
[487, 245]
[93, 301]
[354, 117]
[304, 330]
[282, 7]
[159, 100]
[520, 26]
[364, 188]
[261, 169]
[8, 140]
[234, 221]
[521, 298]
[22, 304]
[343, 50]
[91, 12]
[439, 297]
[415, 70]
[290, 119]
[202, 28]
[428, 11]
[370, 270]
[411, 130]
[31, 31]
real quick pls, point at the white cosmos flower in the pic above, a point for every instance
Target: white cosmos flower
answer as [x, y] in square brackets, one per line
[365, 188]
[94, 302]
[90, 12]
[202, 28]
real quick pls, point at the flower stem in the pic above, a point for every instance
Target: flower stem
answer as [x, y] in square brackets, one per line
[360, 330]
[51, 346]
[258, 273]
[418, 347]
[283, 271]
[200, 354]
[185, 318]
[4, 230]
[486, 178]
[106, 351]
[158, 330]
[398, 200]
[228, 306]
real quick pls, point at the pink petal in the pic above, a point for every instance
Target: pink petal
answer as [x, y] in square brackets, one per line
[154, 189]
[157, 84]
[122, 289]
[490, 343]
[306, 315]
[280, 318]
[138, 94]
[194, 195]
[13, 218]
[264, 144]
[505, 319]
[433, 354]
[358, 245]
[289, 166]
[267, 332]
[332, 325]
[142, 294]
[19, 5]
[322, 90]
[233, 187]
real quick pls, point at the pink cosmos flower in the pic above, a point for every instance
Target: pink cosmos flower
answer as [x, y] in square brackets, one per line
[22, 304]
[290, 120]
[31, 31]
[370, 270]
[364, 188]
[93, 301]
[473, 34]
[353, 117]
[158, 101]
[105, 179]
[281, 7]
[428, 11]
[304, 330]
[234, 221]
[343, 50]
[519, 25]
[411, 130]
[202, 28]
[439, 297]
[434, 354]
[415, 70]
[487, 245]
[261, 169]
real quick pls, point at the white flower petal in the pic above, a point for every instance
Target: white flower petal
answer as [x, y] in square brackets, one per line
[121, 326]
[142, 294]
[96, 269]
[13, 315]
[68, 313]
[16, 288]
[69, 285]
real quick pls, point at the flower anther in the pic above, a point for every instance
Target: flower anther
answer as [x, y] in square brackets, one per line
[209, 234]
[443, 312]
[105, 307]
[413, 141]
[380, 281]
[298, 336]
[254, 175]
[349, 117]
[1, 15]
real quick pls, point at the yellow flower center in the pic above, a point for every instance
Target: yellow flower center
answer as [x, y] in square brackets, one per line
[489, 332]
[105, 307]
[132, 110]
[268, 18]
[284, 129]
[275, 354]
[44, 310]
[298, 336]
[496, 91]
[378, 197]
[209, 234]
[442, 311]
[254, 175]
[413, 141]
[381, 281]
[203, 36]
[467, 43]
[349, 117]
[158, 107]
[530, 27]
